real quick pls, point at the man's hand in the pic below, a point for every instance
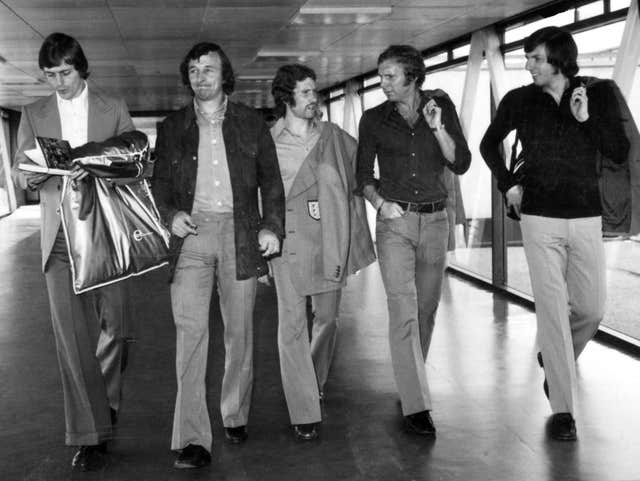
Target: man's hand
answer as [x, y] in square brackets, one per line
[182, 225]
[390, 210]
[34, 180]
[514, 198]
[432, 114]
[78, 173]
[268, 243]
[579, 104]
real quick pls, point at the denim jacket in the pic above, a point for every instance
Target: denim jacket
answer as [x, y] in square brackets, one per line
[253, 164]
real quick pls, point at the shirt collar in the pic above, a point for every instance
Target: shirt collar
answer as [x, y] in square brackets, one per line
[280, 127]
[218, 114]
[390, 107]
[79, 100]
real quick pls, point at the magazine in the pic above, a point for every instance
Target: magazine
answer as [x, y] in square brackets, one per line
[52, 156]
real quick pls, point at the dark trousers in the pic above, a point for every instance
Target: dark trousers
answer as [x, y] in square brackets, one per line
[88, 332]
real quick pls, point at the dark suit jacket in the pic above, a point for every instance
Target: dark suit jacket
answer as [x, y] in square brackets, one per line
[252, 162]
[108, 116]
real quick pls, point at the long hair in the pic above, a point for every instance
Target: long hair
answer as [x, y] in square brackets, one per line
[203, 48]
[410, 59]
[60, 48]
[562, 51]
[284, 83]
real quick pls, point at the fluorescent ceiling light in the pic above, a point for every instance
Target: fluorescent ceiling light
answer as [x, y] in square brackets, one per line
[327, 15]
[256, 77]
[288, 53]
[345, 10]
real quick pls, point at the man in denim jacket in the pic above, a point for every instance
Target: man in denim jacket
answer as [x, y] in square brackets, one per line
[212, 156]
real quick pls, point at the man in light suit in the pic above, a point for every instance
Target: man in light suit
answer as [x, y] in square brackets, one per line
[87, 327]
[326, 239]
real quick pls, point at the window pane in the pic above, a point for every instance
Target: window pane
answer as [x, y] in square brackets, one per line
[590, 10]
[619, 4]
[461, 51]
[558, 20]
[436, 59]
[336, 112]
[473, 233]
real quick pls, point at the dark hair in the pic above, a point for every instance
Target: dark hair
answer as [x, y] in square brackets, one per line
[410, 59]
[284, 83]
[562, 51]
[203, 48]
[60, 48]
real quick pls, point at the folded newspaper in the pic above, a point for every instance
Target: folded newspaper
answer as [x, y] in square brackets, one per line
[52, 156]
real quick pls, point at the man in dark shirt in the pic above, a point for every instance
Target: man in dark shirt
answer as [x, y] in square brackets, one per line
[563, 127]
[414, 134]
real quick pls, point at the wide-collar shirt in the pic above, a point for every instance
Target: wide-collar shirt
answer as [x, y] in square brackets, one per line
[293, 149]
[409, 157]
[560, 154]
[74, 117]
[213, 192]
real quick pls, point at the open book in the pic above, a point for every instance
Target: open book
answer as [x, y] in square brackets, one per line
[52, 156]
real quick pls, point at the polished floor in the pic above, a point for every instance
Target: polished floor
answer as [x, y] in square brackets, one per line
[489, 408]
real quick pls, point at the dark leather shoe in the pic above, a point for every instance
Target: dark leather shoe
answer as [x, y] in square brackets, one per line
[236, 435]
[421, 423]
[563, 427]
[192, 456]
[91, 458]
[305, 432]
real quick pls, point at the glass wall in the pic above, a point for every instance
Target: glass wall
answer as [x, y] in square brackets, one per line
[598, 47]
[473, 233]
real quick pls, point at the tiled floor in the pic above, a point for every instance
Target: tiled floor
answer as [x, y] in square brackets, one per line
[489, 407]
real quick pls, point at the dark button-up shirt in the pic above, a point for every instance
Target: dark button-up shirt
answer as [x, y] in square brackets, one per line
[409, 157]
[560, 153]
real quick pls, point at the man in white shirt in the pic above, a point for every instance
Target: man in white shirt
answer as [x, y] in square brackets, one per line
[88, 328]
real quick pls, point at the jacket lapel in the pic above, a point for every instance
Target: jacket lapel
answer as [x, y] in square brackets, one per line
[48, 119]
[306, 176]
[98, 110]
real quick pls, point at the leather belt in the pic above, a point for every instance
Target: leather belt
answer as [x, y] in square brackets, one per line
[423, 207]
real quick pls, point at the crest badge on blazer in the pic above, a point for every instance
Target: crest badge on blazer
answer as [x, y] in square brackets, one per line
[313, 207]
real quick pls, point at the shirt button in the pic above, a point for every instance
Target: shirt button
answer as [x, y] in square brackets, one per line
[415, 192]
[216, 183]
[219, 203]
[413, 174]
[215, 162]
[413, 154]
[214, 141]
[412, 134]
[194, 157]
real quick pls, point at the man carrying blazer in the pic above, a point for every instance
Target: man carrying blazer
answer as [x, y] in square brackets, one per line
[326, 239]
[88, 328]
[213, 155]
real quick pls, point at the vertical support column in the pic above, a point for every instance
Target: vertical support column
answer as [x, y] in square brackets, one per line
[629, 51]
[497, 73]
[5, 156]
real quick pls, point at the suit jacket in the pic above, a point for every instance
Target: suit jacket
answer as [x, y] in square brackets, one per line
[107, 117]
[253, 164]
[326, 231]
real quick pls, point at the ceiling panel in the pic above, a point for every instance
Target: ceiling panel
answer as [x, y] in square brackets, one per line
[135, 47]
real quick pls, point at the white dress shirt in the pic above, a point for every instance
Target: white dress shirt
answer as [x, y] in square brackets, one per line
[74, 115]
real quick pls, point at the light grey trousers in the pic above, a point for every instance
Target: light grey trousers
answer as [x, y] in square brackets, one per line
[412, 251]
[88, 332]
[205, 260]
[304, 365]
[567, 268]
